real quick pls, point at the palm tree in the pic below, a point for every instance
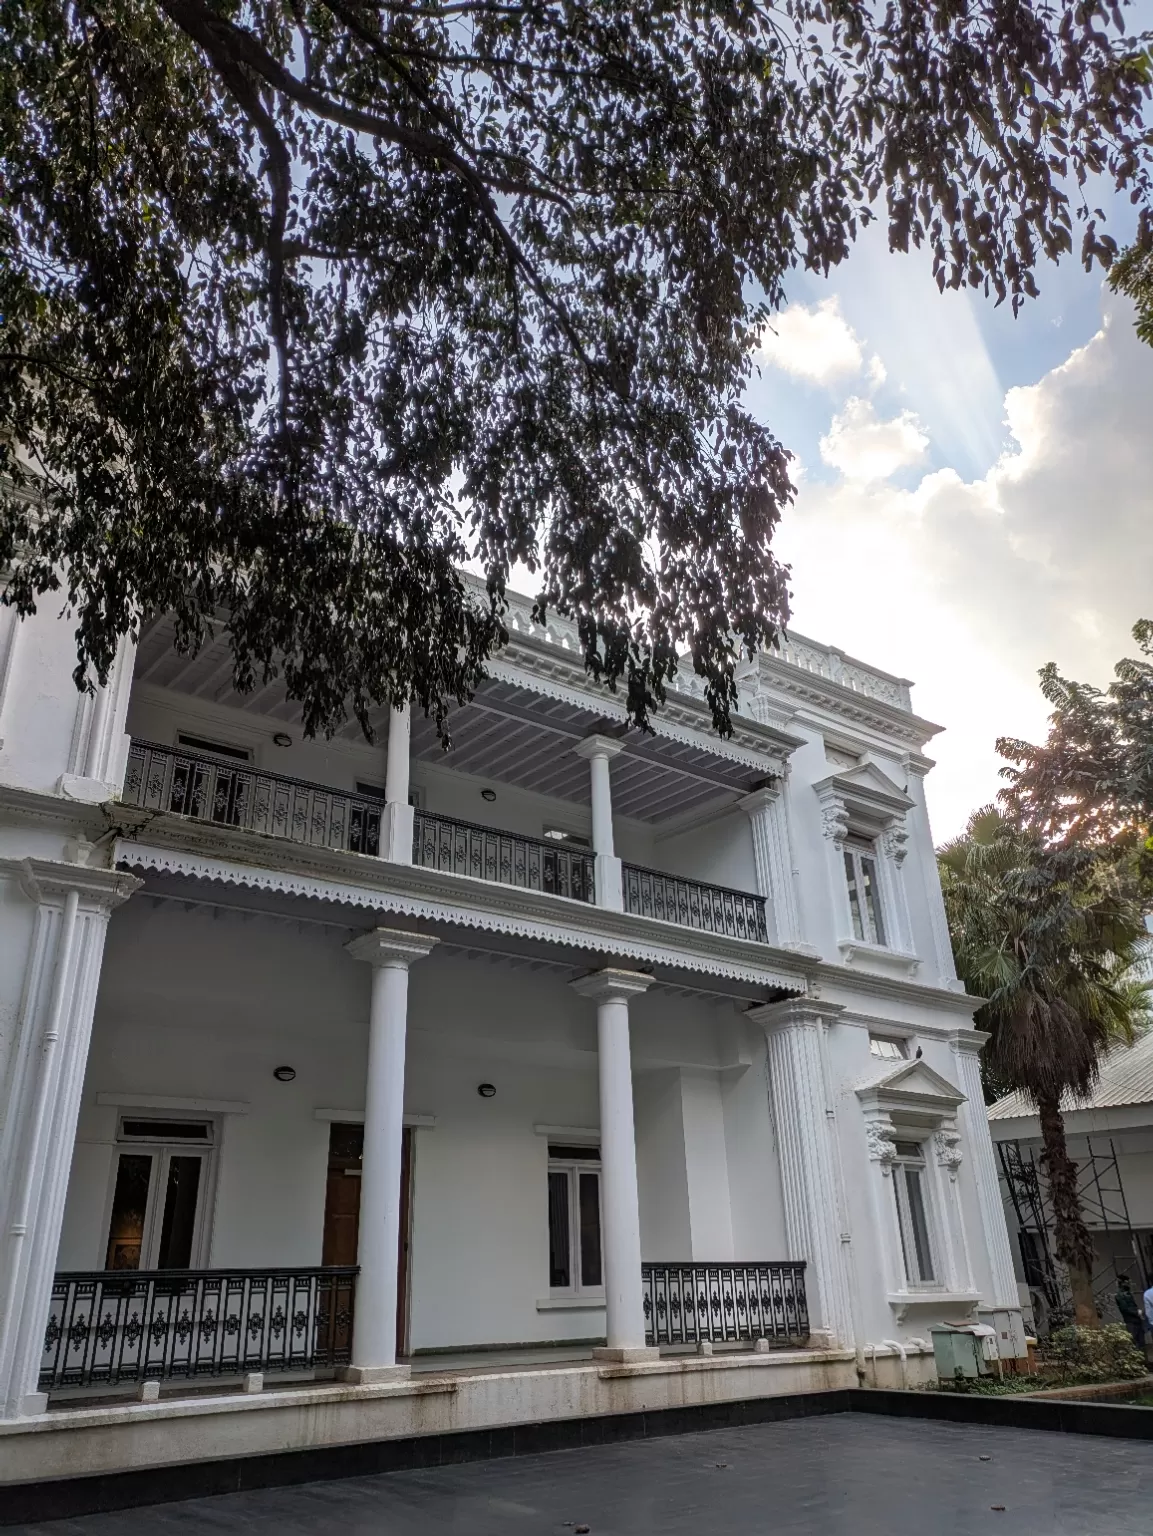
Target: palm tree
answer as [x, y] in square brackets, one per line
[1048, 936]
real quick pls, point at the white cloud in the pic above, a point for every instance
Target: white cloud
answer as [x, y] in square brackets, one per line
[972, 585]
[865, 449]
[816, 344]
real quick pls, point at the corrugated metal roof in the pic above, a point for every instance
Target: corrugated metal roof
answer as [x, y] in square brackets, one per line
[1126, 1078]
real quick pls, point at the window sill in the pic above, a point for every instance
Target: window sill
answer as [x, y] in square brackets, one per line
[877, 957]
[571, 1304]
[933, 1298]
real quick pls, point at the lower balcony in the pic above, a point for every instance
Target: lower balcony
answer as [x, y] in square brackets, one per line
[111, 1328]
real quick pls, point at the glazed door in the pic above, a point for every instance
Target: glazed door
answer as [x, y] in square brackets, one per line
[158, 1201]
[342, 1212]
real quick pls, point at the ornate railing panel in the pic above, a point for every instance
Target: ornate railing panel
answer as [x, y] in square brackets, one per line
[693, 904]
[487, 853]
[725, 1303]
[233, 795]
[112, 1326]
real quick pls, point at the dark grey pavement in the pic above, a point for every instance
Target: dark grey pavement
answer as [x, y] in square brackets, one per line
[801, 1477]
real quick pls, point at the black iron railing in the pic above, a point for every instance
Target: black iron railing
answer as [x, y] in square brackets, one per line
[725, 1303]
[112, 1326]
[233, 795]
[487, 853]
[693, 904]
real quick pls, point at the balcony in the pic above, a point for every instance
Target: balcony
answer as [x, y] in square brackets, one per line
[224, 794]
[694, 904]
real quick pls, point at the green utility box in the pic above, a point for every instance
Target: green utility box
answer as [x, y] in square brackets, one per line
[961, 1353]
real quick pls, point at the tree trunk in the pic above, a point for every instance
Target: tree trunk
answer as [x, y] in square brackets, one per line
[1073, 1243]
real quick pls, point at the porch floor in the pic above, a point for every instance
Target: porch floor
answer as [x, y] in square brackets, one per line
[808, 1477]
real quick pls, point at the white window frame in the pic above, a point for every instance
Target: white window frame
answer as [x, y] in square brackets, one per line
[917, 1161]
[161, 1150]
[868, 926]
[574, 1167]
[238, 754]
[879, 1047]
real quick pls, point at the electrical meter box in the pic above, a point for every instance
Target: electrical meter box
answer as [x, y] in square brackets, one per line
[1009, 1327]
[963, 1353]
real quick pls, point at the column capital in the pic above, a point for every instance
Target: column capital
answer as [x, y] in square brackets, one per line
[598, 745]
[968, 1042]
[390, 947]
[611, 986]
[48, 882]
[764, 795]
[794, 1013]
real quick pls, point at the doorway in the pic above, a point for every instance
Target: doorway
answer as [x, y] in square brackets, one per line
[159, 1197]
[342, 1212]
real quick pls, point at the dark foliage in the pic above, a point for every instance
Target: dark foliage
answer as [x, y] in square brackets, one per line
[303, 300]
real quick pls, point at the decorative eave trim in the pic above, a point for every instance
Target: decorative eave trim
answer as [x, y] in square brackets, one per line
[378, 886]
[557, 674]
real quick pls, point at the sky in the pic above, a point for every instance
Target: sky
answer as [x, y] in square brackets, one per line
[974, 491]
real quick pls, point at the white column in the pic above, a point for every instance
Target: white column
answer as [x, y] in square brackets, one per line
[100, 747]
[396, 835]
[620, 1210]
[599, 751]
[767, 811]
[966, 1045]
[50, 1052]
[805, 1127]
[374, 1327]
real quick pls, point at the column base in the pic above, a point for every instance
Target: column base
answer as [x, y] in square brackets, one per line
[374, 1375]
[626, 1356]
[32, 1404]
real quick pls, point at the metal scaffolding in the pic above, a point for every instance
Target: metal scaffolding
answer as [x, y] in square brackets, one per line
[1119, 1249]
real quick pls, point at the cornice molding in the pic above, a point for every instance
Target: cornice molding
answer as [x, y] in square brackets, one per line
[49, 882]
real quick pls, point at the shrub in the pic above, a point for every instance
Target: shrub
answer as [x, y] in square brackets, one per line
[1095, 1354]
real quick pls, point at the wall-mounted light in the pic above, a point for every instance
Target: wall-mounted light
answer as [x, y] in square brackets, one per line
[486, 1090]
[488, 794]
[284, 1074]
[282, 739]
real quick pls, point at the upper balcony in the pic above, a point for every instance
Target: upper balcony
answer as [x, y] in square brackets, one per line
[508, 803]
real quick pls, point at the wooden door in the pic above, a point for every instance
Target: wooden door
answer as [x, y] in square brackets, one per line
[342, 1212]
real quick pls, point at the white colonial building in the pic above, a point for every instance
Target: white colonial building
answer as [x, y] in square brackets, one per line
[571, 1070]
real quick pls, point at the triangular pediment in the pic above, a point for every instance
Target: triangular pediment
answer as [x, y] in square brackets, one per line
[913, 1082]
[870, 784]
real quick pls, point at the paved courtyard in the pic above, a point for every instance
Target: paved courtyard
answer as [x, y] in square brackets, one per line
[860, 1476]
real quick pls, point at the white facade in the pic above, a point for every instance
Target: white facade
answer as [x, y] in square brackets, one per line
[792, 1077]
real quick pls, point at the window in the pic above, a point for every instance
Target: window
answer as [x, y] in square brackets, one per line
[887, 1048]
[912, 1215]
[159, 1194]
[562, 835]
[376, 792]
[864, 891]
[213, 748]
[574, 1221]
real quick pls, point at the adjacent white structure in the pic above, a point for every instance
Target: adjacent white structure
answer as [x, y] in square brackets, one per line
[373, 1062]
[1110, 1138]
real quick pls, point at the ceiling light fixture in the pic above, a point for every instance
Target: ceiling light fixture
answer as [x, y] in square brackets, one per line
[284, 1074]
[282, 739]
[486, 1090]
[488, 794]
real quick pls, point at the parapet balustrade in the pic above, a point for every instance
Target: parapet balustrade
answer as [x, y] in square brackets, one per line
[225, 794]
[694, 903]
[234, 795]
[111, 1326]
[487, 853]
[725, 1303]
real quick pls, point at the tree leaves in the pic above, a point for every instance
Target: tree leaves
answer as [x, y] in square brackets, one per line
[303, 304]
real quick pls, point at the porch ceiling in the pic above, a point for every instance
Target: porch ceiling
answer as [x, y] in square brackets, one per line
[507, 733]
